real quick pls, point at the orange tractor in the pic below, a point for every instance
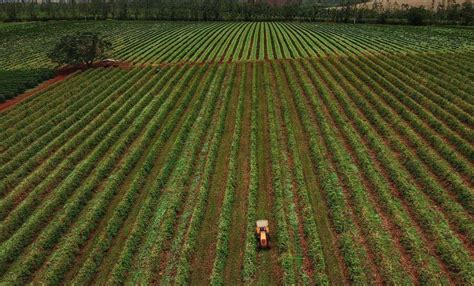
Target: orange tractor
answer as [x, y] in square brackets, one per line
[262, 233]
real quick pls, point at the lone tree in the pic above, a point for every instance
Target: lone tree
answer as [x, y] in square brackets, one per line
[82, 48]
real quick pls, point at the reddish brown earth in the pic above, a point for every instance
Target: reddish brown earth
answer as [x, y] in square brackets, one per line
[61, 75]
[16, 100]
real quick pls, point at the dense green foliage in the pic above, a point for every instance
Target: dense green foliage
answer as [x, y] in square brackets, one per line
[235, 10]
[80, 48]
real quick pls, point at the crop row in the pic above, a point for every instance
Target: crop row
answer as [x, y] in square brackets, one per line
[439, 167]
[250, 253]
[353, 255]
[411, 239]
[36, 187]
[109, 184]
[60, 194]
[53, 139]
[40, 105]
[226, 212]
[427, 219]
[147, 211]
[165, 219]
[156, 42]
[13, 83]
[304, 215]
[60, 223]
[138, 183]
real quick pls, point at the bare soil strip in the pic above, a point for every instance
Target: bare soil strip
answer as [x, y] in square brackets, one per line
[32, 92]
[62, 74]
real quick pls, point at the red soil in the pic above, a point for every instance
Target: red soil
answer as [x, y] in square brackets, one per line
[61, 75]
[14, 101]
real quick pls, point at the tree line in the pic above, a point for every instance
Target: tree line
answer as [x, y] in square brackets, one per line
[235, 10]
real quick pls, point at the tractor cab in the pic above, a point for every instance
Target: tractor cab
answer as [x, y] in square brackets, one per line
[262, 233]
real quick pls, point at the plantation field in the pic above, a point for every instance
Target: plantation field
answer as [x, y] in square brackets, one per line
[355, 144]
[153, 43]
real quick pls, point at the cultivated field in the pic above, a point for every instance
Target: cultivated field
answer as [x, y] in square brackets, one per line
[355, 142]
[24, 46]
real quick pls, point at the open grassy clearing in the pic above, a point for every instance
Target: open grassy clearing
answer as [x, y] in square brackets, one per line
[355, 145]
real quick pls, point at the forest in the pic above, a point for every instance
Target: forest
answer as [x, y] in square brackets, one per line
[345, 11]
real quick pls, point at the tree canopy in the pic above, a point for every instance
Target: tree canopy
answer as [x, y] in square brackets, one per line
[81, 48]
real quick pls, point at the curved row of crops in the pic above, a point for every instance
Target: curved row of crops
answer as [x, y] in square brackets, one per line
[23, 65]
[362, 163]
[169, 42]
